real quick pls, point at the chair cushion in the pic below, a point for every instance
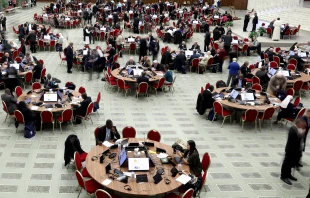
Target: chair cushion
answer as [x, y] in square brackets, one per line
[113, 82]
[60, 118]
[85, 173]
[171, 195]
[226, 112]
[127, 87]
[83, 156]
[91, 186]
[306, 87]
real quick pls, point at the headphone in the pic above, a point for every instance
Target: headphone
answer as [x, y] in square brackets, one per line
[167, 181]
[94, 158]
[127, 187]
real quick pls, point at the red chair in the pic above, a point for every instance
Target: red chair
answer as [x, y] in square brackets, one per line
[36, 85]
[142, 88]
[291, 67]
[250, 115]
[195, 63]
[170, 85]
[11, 115]
[278, 49]
[110, 83]
[141, 29]
[132, 47]
[266, 115]
[158, 85]
[297, 101]
[68, 24]
[52, 44]
[188, 194]
[219, 110]
[43, 72]
[18, 91]
[305, 86]
[104, 194]
[255, 80]
[293, 61]
[82, 90]
[290, 92]
[257, 87]
[87, 115]
[268, 31]
[154, 135]
[273, 64]
[129, 132]
[297, 86]
[201, 90]
[62, 59]
[276, 59]
[98, 100]
[244, 49]
[122, 86]
[66, 116]
[18, 59]
[287, 33]
[115, 57]
[102, 35]
[300, 113]
[208, 85]
[90, 186]
[47, 117]
[19, 118]
[251, 67]
[42, 44]
[245, 40]
[78, 159]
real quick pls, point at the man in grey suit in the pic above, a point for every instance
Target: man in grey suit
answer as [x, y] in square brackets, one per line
[9, 100]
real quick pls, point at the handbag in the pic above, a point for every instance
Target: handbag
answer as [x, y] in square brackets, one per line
[29, 130]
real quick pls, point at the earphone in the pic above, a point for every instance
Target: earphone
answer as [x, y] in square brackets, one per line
[94, 158]
[167, 181]
[127, 187]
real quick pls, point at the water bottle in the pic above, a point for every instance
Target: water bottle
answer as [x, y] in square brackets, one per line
[119, 147]
[180, 167]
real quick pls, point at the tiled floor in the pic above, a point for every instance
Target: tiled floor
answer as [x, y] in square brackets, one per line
[243, 164]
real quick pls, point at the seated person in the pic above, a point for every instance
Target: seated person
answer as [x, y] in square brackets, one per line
[182, 46]
[208, 98]
[270, 53]
[168, 75]
[204, 61]
[195, 46]
[157, 66]
[143, 61]
[300, 62]
[195, 55]
[28, 58]
[50, 82]
[286, 27]
[239, 82]
[29, 116]
[276, 83]
[13, 45]
[287, 109]
[191, 158]
[82, 108]
[307, 47]
[255, 45]
[107, 132]
[130, 62]
[6, 58]
[263, 77]
[264, 63]
[245, 70]
[142, 78]
[9, 100]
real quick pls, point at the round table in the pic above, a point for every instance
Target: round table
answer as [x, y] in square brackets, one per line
[116, 74]
[98, 173]
[236, 105]
[35, 97]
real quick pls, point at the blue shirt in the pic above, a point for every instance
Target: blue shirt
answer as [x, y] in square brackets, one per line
[168, 76]
[234, 68]
[239, 83]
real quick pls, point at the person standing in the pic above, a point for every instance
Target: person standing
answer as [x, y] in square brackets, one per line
[143, 48]
[3, 22]
[276, 30]
[246, 22]
[293, 150]
[207, 41]
[234, 69]
[32, 39]
[255, 22]
[307, 120]
[69, 57]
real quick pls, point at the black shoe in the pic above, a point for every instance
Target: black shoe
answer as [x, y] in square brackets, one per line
[286, 180]
[69, 72]
[292, 178]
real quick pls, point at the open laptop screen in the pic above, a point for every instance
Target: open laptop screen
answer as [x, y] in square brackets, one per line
[138, 164]
[50, 97]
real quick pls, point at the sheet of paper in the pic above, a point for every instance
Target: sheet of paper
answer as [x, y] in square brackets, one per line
[106, 182]
[183, 179]
[129, 174]
[162, 155]
[33, 96]
[50, 109]
[34, 108]
[107, 144]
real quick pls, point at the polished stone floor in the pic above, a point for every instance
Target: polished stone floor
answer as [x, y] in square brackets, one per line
[244, 164]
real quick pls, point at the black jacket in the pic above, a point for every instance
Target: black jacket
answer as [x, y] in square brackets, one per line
[37, 71]
[208, 99]
[166, 58]
[32, 37]
[69, 54]
[246, 18]
[72, 144]
[207, 37]
[82, 109]
[102, 134]
[307, 129]
[197, 47]
[292, 147]
[263, 77]
[21, 30]
[227, 41]
[181, 46]
[142, 79]
[255, 20]
[143, 47]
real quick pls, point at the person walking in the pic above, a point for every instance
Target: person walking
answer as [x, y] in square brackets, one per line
[69, 57]
[234, 69]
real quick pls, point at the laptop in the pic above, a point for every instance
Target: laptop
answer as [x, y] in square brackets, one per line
[141, 178]
[130, 71]
[122, 157]
[138, 164]
[247, 96]
[50, 97]
[234, 94]
[15, 65]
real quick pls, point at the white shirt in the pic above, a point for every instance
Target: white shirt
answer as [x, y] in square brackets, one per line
[107, 135]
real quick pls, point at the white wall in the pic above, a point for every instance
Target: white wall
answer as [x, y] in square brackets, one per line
[267, 6]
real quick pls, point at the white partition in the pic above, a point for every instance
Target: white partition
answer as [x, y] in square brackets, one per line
[267, 6]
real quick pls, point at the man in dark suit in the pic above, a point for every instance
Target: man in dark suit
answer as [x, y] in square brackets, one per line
[157, 66]
[195, 55]
[284, 30]
[111, 53]
[227, 42]
[9, 100]
[255, 22]
[107, 132]
[143, 48]
[82, 109]
[179, 61]
[52, 7]
[207, 41]
[195, 46]
[239, 82]
[246, 22]
[32, 39]
[270, 53]
[21, 32]
[136, 25]
[263, 77]
[208, 98]
[300, 62]
[142, 78]
[216, 34]
[166, 58]
[307, 120]
[293, 150]
[182, 46]
[6, 58]
[69, 57]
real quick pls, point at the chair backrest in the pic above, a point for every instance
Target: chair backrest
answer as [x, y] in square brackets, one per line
[301, 113]
[290, 92]
[96, 132]
[4, 107]
[245, 47]
[297, 101]
[161, 83]
[43, 72]
[121, 83]
[268, 113]
[206, 161]
[18, 59]
[255, 80]
[18, 91]
[19, 116]
[218, 108]
[208, 85]
[276, 59]
[293, 61]
[98, 97]
[273, 64]
[251, 115]
[47, 116]
[188, 194]
[82, 90]
[115, 57]
[201, 90]
[142, 87]
[195, 62]
[291, 67]
[52, 43]
[36, 85]
[89, 108]
[129, 132]
[297, 85]
[210, 61]
[257, 87]
[132, 46]
[268, 30]
[67, 115]
[80, 179]
[102, 194]
[28, 77]
[154, 135]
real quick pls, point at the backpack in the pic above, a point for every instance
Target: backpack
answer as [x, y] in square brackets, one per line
[183, 69]
[96, 107]
[281, 94]
[211, 115]
[71, 86]
[29, 130]
[220, 83]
